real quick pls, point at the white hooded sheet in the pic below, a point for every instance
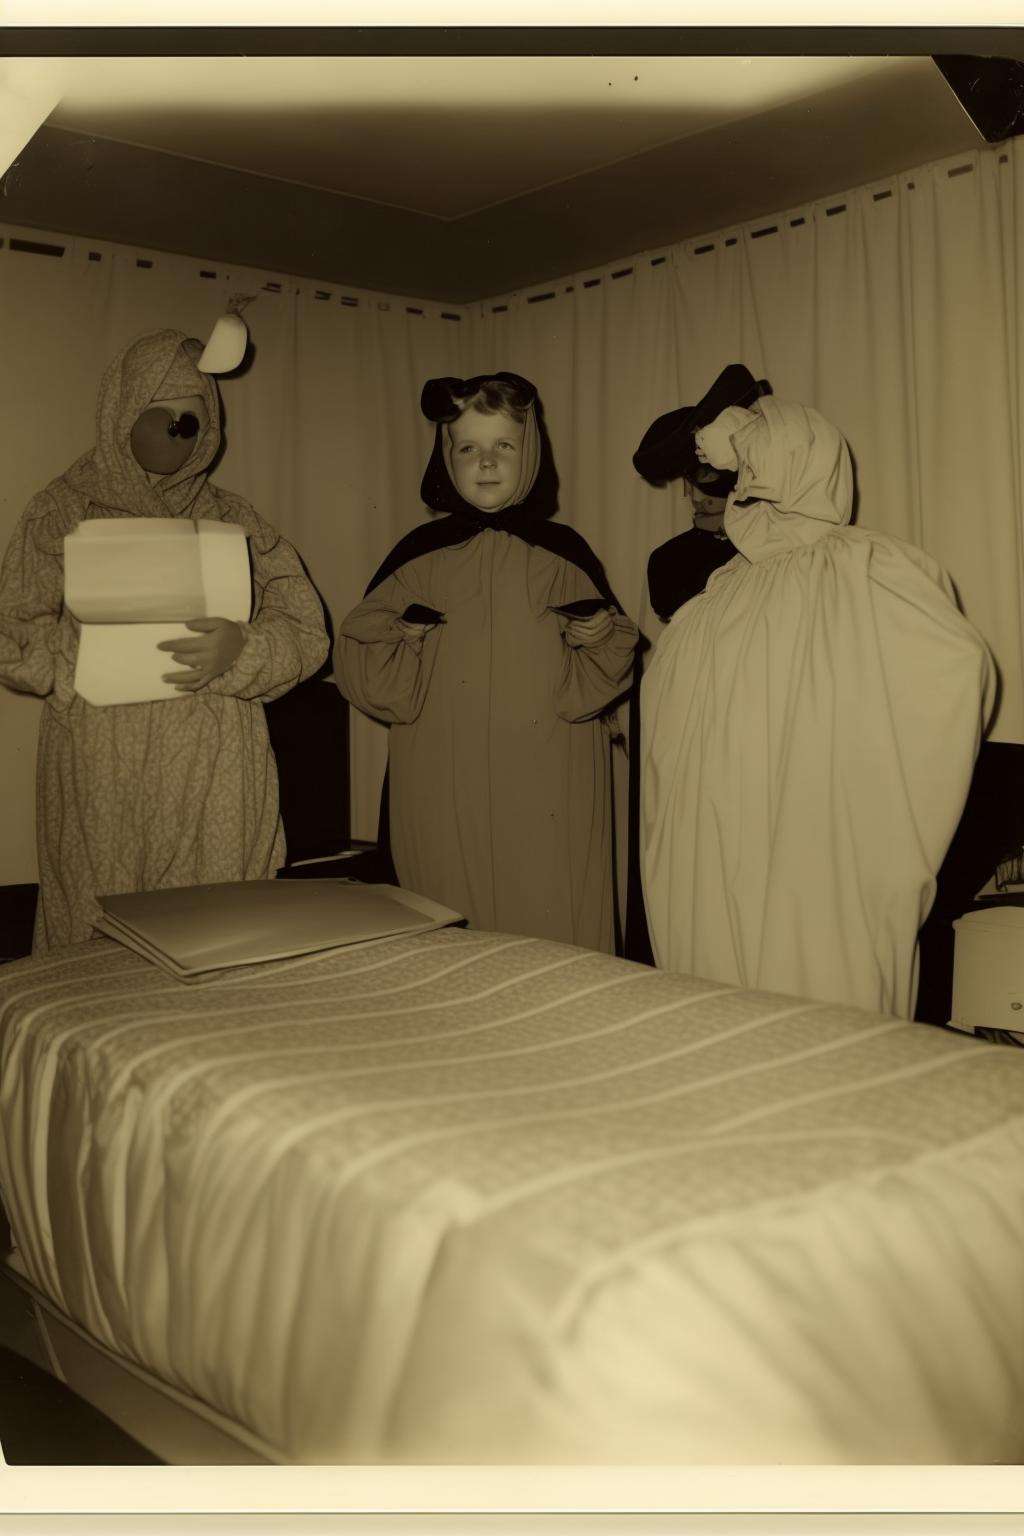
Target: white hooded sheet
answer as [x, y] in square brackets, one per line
[811, 723]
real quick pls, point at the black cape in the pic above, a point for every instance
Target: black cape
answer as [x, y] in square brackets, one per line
[529, 520]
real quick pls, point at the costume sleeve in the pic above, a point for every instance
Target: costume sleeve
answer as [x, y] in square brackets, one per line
[285, 641]
[31, 598]
[593, 676]
[381, 671]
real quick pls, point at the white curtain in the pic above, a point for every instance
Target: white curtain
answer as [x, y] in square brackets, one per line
[324, 432]
[896, 309]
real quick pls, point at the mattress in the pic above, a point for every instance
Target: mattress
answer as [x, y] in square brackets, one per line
[466, 1197]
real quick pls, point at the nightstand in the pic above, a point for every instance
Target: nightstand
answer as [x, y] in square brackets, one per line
[988, 973]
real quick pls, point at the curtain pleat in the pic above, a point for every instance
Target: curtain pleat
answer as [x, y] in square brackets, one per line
[894, 308]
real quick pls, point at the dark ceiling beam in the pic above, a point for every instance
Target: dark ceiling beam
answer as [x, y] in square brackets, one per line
[268, 42]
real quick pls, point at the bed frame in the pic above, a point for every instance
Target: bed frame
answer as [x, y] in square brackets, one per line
[180, 1429]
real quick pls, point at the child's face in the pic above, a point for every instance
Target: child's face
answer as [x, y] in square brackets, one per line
[705, 505]
[487, 452]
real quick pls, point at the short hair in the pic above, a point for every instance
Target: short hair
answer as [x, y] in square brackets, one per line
[446, 399]
[496, 396]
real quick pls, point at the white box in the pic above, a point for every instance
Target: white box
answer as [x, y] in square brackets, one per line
[988, 970]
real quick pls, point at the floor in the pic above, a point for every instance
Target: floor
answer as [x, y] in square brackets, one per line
[42, 1422]
[18, 1331]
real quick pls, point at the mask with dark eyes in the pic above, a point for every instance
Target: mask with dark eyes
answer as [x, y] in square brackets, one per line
[162, 441]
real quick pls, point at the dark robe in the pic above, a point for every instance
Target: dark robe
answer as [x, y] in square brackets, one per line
[499, 773]
[529, 523]
[681, 568]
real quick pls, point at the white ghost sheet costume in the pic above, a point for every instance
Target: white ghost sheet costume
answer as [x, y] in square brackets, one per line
[810, 727]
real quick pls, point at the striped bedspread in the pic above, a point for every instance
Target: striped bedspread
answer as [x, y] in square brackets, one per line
[467, 1197]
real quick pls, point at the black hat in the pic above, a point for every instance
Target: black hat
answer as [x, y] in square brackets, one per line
[668, 448]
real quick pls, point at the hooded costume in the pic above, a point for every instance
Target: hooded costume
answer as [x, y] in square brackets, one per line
[178, 792]
[811, 723]
[681, 568]
[499, 793]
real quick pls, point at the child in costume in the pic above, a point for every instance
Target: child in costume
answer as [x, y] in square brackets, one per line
[499, 792]
[681, 567]
[180, 791]
[811, 723]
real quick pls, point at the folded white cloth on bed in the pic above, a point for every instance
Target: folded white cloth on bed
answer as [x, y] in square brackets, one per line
[195, 929]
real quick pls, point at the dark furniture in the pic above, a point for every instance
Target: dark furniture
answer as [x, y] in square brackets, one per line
[17, 916]
[309, 733]
[991, 829]
[308, 730]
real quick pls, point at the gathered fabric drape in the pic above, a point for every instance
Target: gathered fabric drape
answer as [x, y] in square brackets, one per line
[810, 726]
[894, 309]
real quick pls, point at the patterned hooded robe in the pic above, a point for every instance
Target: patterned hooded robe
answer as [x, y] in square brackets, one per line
[176, 792]
[499, 777]
[811, 722]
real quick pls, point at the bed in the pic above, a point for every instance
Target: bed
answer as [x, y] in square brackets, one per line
[472, 1198]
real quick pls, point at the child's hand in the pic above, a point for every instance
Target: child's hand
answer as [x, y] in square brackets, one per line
[590, 632]
[413, 633]
[216, 647]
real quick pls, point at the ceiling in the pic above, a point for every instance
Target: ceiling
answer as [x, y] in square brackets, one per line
[462, 178]
[443, 137]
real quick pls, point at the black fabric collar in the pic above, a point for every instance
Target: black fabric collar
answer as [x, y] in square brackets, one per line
[529, 520]
[444, 532]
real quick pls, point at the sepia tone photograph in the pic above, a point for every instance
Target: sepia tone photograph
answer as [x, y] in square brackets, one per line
[512, 735]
